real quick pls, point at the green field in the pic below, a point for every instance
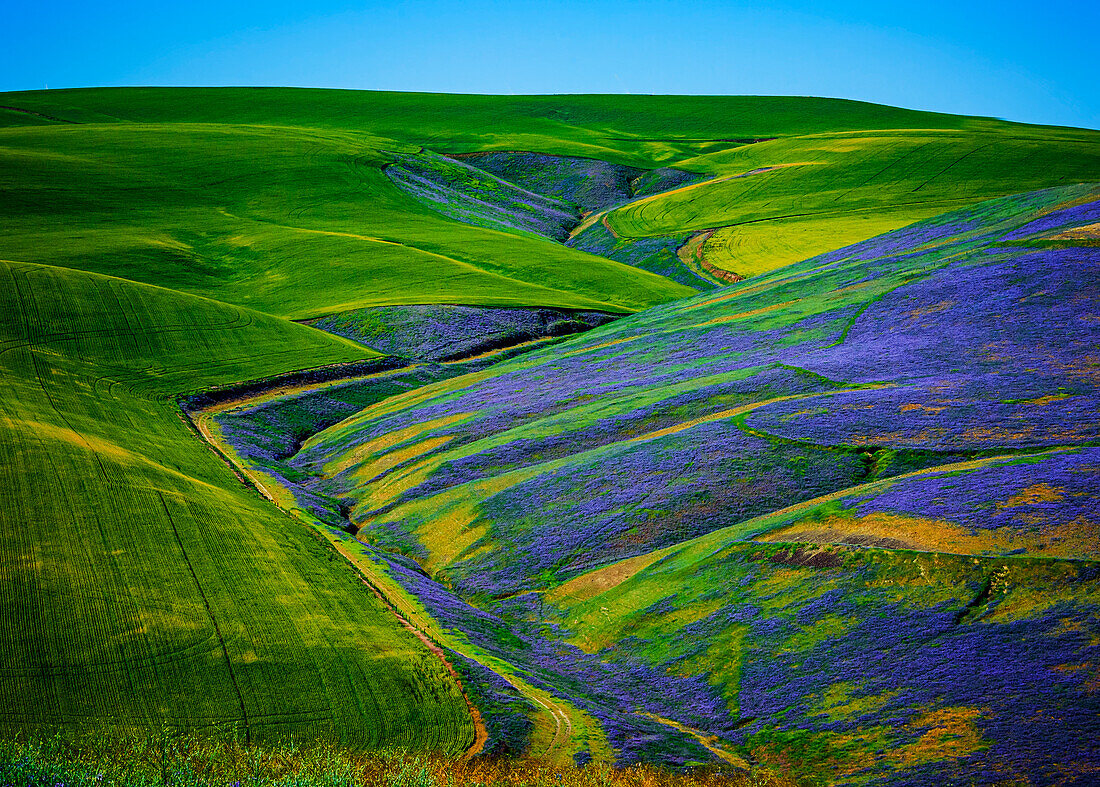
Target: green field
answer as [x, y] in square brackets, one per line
[142, 584]
[260, 196]
[637, 130]
[294, 222]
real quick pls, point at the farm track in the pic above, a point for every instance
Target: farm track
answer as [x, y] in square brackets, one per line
[693, 256]
[708, 741]
[113, 616]
[201, 420]
[563, 729]
[563, 726]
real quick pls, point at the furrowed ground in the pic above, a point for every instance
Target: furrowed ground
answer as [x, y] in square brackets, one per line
[143, 585]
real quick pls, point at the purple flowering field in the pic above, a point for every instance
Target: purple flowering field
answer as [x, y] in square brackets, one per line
[708, 412]
[549, 196]
[843, 515]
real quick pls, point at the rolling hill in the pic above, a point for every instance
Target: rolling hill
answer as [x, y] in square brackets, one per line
[843, 514]
[143, 585]
[808, 497]
[275, 198]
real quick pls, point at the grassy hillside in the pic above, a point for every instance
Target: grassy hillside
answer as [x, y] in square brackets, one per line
[854, 666]
[275, 199]
[143, 585]
[293, 222]
[907, 393]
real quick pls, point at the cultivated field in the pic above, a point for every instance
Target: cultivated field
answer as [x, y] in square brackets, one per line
[142, 584]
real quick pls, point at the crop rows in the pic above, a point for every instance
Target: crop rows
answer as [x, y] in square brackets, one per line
[142, 584]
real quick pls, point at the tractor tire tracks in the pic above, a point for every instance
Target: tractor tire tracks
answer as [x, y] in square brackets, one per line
[213, 620]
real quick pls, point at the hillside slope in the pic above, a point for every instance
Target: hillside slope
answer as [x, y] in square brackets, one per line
[294, 222]
[607, 502]
[142, 585]
[627, 129]
[275, 198]
[931, 393]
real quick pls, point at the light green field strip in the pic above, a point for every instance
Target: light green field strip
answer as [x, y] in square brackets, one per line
[777, 202]
[452, 528]
[751, 249]
[141, 584]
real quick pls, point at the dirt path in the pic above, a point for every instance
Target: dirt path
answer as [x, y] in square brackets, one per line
[709, 742]
[201, 421]
[692, 256]
[607, 226]
[563, 725]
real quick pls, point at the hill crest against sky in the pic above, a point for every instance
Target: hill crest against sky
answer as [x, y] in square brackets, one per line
[1006, 59]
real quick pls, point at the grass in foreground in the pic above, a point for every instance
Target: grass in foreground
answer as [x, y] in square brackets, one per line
[184, 761]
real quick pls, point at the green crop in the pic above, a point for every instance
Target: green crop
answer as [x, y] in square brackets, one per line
[142, 584]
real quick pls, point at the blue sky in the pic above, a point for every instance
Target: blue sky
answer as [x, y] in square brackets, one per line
[1035, 61]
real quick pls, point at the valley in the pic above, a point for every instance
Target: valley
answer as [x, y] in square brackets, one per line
[745, 431]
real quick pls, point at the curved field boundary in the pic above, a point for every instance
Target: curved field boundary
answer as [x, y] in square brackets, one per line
[43, 115]
[481, 734]
[560, 732]
[693, 255]
[137, 612]
[641, 204]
